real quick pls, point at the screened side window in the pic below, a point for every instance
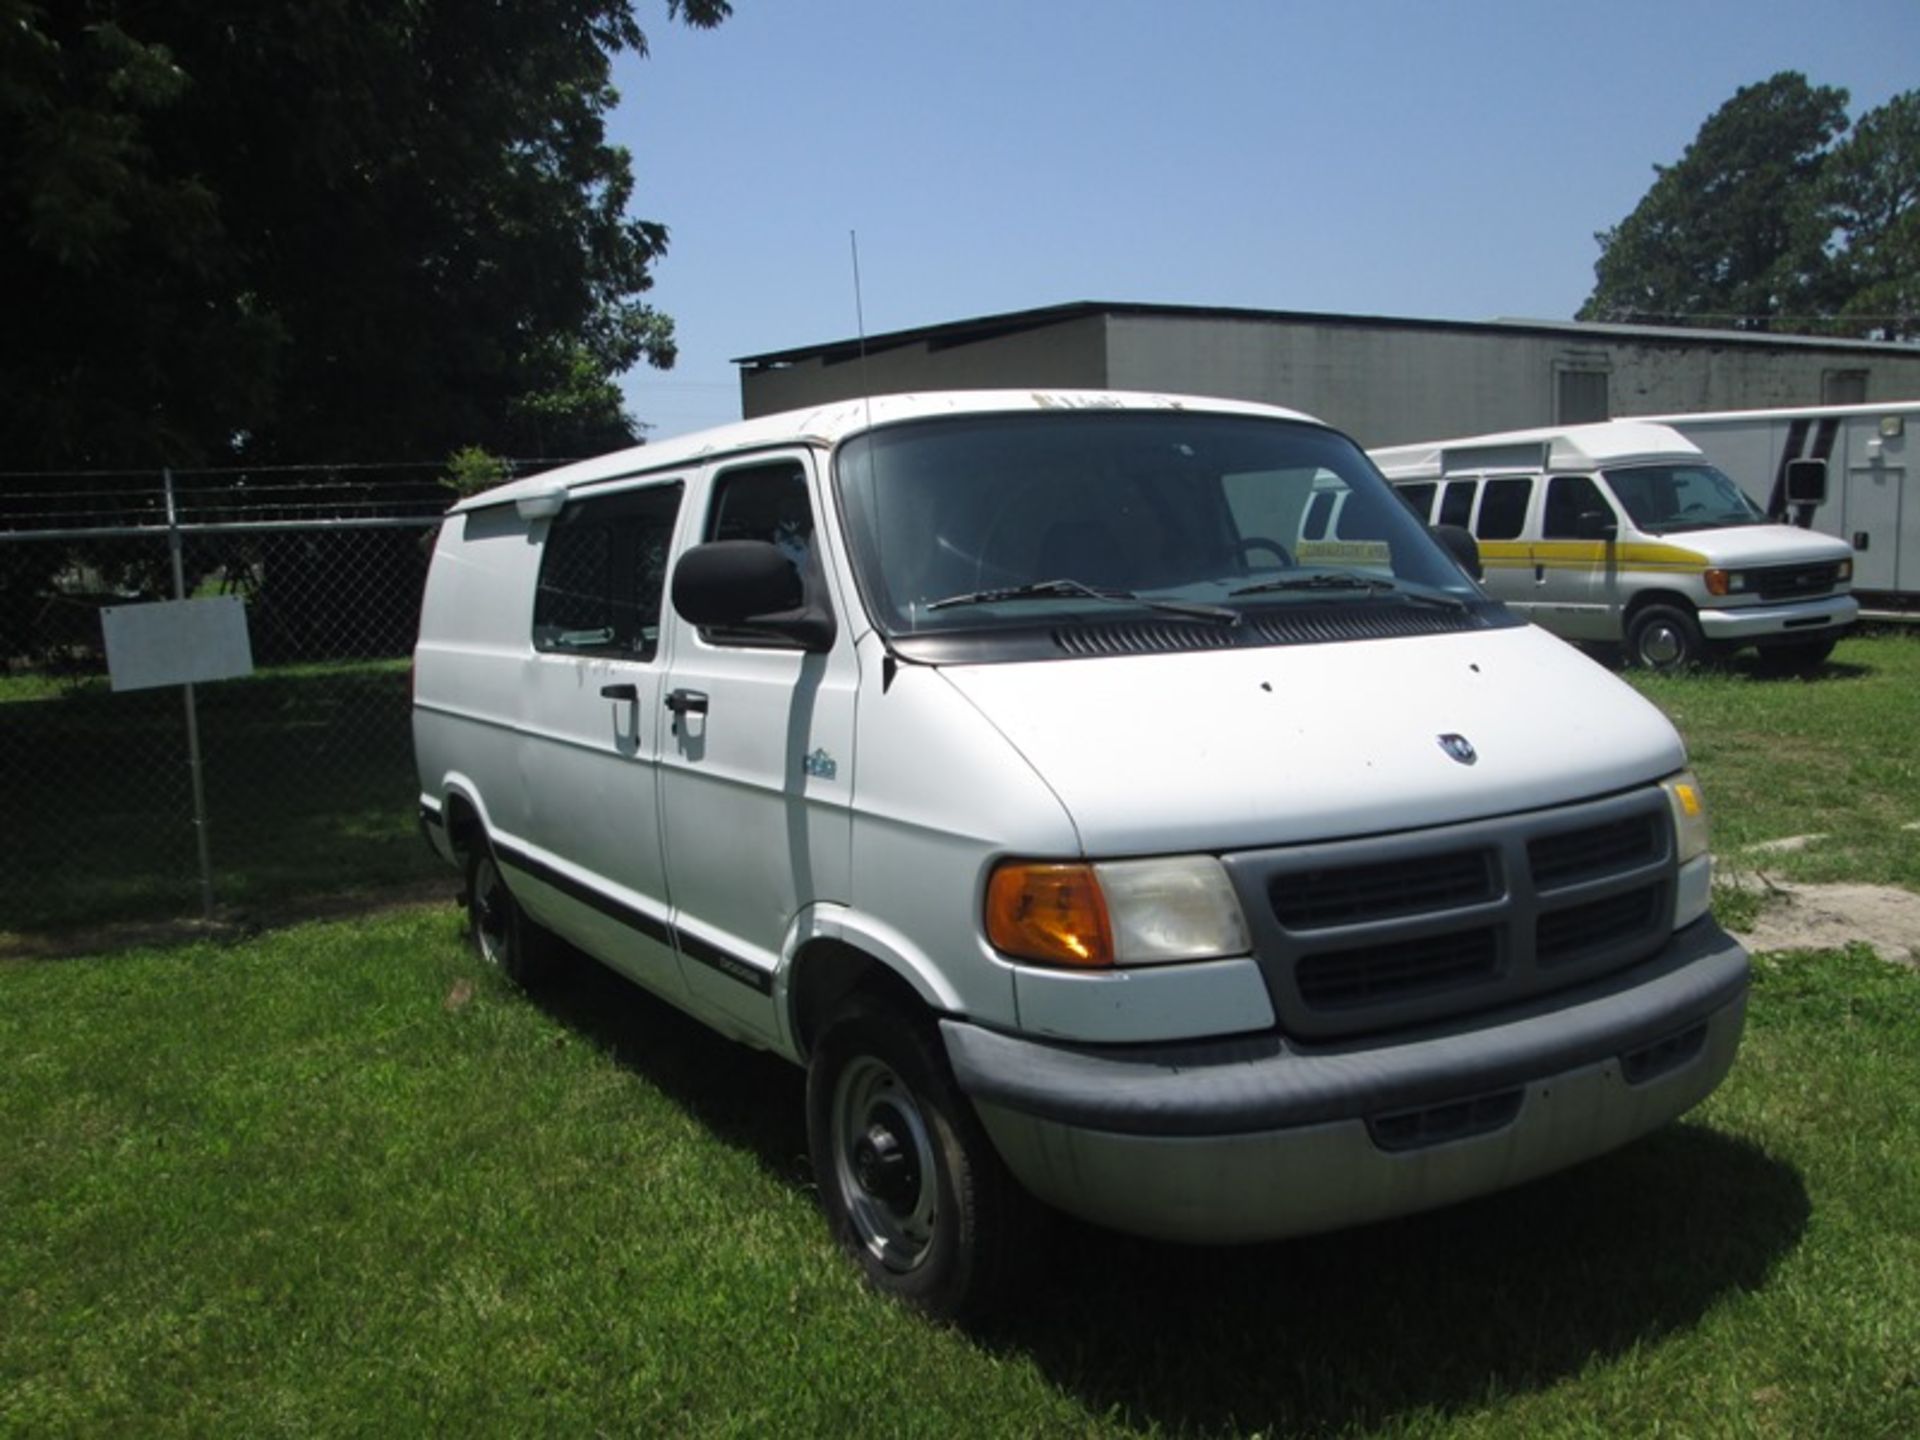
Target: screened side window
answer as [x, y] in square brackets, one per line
[1503, 509]
[1456, 505]
[1567, 497]
[764, 502]
[602, 574]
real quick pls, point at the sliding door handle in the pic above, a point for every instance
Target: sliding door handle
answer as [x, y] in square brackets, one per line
[687, 702]
[619, 692]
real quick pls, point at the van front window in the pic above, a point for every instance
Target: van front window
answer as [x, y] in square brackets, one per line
[997, 522]
[1666, 499]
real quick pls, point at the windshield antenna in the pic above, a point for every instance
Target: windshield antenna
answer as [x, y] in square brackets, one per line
[860, 324]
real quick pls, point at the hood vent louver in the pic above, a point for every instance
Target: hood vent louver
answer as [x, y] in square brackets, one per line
[1314, 625]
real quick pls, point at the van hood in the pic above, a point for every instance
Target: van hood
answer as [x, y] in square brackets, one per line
[1243, 748]
[1761, 545]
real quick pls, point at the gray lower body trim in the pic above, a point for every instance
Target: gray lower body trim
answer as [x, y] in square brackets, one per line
[1250, 1139]
[1266, 1082]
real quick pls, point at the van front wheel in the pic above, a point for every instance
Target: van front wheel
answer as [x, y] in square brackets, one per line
[1665, 637]
[912, 1187]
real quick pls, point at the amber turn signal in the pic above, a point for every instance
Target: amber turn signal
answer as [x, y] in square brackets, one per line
[1049, 912]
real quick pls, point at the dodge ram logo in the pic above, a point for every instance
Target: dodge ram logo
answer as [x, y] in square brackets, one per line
[1459, 748]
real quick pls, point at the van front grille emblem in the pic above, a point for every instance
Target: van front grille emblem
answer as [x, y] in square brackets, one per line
[1459, 748]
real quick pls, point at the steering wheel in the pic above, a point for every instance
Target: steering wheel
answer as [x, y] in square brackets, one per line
[1250, 543]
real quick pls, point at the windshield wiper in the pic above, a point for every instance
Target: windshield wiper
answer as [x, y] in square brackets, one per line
[1371, 585]
[1066, 589]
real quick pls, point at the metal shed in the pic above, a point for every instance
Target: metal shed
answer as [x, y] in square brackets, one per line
[1385, 380]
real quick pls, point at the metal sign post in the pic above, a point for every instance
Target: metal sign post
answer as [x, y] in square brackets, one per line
[193, 718]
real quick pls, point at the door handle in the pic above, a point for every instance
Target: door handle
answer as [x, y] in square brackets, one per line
[619, 692]
[687, 702]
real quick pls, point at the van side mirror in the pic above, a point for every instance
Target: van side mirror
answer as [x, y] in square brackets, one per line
[1597, 525]
[1806, 482]
[749, 585]
[1458, 542]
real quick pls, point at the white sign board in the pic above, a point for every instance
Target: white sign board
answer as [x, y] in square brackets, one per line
[177, 642]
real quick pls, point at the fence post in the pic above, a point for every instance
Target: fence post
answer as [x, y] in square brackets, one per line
[193, 717]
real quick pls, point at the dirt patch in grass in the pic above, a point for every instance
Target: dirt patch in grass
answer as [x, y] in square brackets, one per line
[1797, 916]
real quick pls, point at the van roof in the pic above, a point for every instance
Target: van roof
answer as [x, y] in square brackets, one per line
[1789, 412]
[828, 425]
[1562, 447]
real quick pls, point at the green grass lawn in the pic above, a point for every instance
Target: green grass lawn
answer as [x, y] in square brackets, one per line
[1837, 754]
[340, 1179]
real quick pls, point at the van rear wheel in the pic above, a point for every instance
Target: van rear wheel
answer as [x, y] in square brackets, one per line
[913, 1189]
[1665, 637]
[500, 930]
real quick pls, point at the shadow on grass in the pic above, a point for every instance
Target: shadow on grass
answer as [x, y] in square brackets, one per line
[749, 1099]
[1513, 1292]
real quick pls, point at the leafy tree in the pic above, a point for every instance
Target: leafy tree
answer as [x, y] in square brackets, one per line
[338, 229]
[1873, 183]
[1735, 233]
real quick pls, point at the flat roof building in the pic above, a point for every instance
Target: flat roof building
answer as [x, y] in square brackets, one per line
[1385, 380]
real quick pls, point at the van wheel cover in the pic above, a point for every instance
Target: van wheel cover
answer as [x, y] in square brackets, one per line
[884, 1164]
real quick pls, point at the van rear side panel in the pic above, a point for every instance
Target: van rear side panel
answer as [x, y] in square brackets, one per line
[474, 645]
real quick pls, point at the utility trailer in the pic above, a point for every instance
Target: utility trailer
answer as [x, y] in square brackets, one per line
[1871, 495]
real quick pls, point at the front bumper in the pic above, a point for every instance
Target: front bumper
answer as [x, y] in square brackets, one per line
[1258, 1137]
[1811, 619]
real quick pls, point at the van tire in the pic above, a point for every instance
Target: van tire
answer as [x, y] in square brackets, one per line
[500, 931]
[1665, 637]
[1799, 659]
[912, 1188]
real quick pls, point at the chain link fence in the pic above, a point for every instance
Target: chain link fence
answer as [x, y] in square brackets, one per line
[305, 784]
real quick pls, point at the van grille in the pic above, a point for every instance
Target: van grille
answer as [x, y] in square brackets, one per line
[1579, 854]
[1313, 899]
[1795, 582]
[1408, 967]
[1363, 935]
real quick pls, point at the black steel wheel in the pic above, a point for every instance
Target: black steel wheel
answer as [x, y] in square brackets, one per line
[912, 1187]
[500, 930]
[1665, 637]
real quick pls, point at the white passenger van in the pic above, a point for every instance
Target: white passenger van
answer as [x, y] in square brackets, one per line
[995, 757]
[1622, 533]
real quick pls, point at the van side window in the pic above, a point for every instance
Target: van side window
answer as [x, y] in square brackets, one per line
[1457, 503]
[764, 502]
[1503, 509]
[602, 573]
[1419, 498]
[1567, 497]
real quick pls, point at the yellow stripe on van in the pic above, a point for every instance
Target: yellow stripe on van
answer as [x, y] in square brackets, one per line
[1633, 555]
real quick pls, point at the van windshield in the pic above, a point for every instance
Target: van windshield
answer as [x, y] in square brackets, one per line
[1666, 499]
[997, 522]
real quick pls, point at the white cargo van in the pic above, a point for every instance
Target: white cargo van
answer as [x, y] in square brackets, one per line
[996, 757]
[1622, 533]
[1860, 491]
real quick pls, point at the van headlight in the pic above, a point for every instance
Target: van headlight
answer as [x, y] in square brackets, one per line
[1118, 912]
[1689, 814]
[1726, 582]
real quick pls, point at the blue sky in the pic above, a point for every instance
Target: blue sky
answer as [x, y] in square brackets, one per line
[1382, 157]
